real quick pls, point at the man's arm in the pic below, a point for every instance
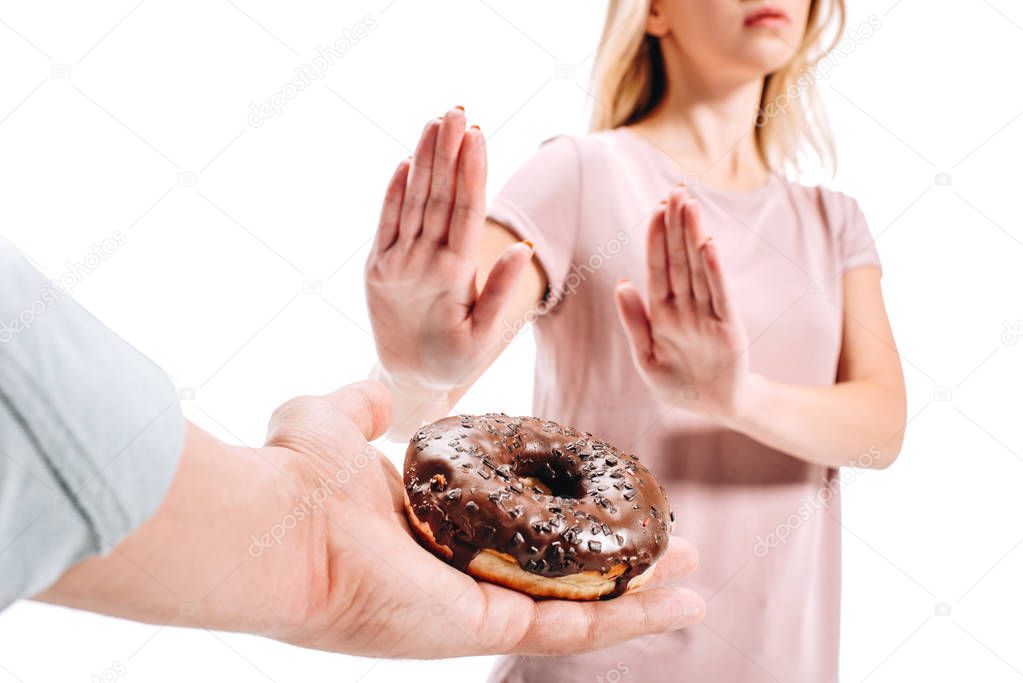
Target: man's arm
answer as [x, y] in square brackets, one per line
[90, 432]
[305, 540]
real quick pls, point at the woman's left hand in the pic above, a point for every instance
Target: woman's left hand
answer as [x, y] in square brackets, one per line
[688, 344]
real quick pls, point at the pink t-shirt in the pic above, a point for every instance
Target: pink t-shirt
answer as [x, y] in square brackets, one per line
[765, 523]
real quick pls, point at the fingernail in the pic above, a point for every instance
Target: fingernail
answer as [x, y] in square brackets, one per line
[528, 244]
[474, 127]
[621, 281]
[459, 107]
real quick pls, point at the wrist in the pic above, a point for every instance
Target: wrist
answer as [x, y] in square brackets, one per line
[751, 398]
[410, 385]
[415, 402]
[252, 531]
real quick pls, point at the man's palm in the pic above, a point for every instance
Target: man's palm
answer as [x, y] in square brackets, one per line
[384, 595]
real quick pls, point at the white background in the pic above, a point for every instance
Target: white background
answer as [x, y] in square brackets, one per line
[104, 107]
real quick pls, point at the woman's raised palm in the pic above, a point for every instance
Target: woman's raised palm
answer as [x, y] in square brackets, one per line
[432, 325]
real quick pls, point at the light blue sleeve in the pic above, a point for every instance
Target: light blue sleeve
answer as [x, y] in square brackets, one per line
[90, 432]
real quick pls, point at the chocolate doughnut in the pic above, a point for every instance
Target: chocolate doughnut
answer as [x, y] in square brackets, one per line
[535, 506]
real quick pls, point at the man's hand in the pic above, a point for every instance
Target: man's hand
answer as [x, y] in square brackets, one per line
[305, 540]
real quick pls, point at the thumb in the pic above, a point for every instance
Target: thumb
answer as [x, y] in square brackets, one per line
[634, 317]
[501, 284]
[367, 404]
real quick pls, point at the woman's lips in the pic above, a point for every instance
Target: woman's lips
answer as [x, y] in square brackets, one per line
[771, 17]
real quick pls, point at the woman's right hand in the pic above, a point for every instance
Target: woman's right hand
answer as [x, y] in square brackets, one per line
[434, 329]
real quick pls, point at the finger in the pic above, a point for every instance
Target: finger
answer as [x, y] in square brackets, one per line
[367, 404]
[678, 257]
[467, 217]
[561, 627]
[679, 561]
[658, 283]
[636, 322]
[694, 240]
[417, 191]
[719, 297]
[437, 214]
[500, 285]
[390, 214]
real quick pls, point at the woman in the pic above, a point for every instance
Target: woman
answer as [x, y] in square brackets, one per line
[757, 361]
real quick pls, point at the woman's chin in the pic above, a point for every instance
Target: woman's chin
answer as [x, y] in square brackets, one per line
[766, 57]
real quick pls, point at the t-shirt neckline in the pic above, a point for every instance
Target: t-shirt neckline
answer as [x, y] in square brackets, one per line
[674, 170]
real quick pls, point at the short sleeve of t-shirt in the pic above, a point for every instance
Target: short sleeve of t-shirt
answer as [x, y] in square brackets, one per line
[540, 203]
[856, 248]
[90, 432]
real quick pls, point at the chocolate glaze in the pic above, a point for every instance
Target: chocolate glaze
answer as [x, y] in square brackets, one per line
[557, 500]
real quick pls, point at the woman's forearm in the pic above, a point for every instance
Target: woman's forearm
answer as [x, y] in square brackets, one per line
[855, 423]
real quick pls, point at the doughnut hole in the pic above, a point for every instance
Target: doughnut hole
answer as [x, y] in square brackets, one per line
[553, 473]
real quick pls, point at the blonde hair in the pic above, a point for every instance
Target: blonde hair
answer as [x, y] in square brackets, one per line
[629, 81]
